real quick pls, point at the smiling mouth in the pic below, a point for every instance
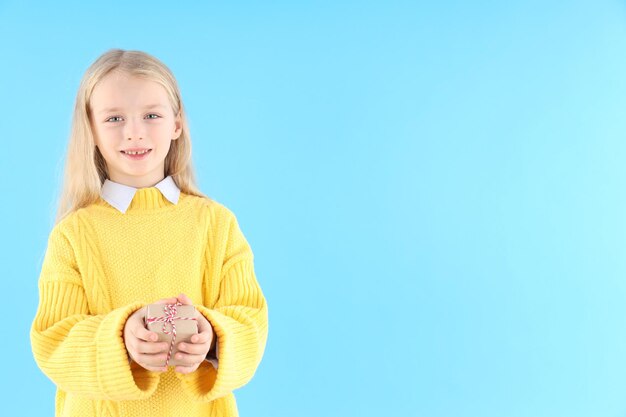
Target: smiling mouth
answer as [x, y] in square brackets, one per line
[136, 156]
[136, 152]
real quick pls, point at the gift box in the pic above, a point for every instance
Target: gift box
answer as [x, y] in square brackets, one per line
[173, 323]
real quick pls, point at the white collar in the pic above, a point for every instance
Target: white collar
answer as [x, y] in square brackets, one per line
[120, 195]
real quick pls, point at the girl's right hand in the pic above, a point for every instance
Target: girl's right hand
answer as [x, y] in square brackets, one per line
[142, 345]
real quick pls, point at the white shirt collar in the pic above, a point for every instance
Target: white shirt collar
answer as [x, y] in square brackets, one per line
[120, 195]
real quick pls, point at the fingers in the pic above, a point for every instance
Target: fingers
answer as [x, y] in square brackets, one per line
[151, 347]
[184, 300]
[171, 300]
[144, 334]
[186, 359]
[202, 337]
[151, 355]
[204, 325]
[193, 348]
[155, 368]
[151, 360]
[186, 369]
[144, 349]
[157, 361]
[148, 354]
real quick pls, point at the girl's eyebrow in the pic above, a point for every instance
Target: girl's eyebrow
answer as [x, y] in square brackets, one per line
[149, 106]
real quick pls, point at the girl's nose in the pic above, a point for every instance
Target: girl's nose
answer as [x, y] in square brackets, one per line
[133, 130]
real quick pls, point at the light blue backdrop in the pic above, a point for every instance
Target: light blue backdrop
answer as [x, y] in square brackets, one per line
[434, 191]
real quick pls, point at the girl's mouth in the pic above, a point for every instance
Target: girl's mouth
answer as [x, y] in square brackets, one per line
[137, 156]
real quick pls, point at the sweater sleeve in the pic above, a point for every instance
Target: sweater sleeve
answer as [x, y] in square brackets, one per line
[82, 353]
[239, 319]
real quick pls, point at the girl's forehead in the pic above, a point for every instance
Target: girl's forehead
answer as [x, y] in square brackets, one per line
[119, 89]
[117, 83]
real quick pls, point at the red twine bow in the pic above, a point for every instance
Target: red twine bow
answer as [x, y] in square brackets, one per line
[170, 315]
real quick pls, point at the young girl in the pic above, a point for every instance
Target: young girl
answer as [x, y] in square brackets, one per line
[132, 229]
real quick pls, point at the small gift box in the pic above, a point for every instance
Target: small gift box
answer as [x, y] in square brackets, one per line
[173, 323]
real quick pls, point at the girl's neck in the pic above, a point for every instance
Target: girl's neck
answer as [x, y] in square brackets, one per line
[137, 182]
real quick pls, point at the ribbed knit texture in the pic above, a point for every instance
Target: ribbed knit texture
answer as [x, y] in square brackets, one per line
[101, 265]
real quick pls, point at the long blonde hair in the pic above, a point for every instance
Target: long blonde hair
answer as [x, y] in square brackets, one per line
[85, 168]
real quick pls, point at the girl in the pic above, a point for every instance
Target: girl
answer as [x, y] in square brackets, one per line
[132, 229]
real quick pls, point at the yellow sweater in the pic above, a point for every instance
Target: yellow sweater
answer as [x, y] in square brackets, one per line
[101, 265]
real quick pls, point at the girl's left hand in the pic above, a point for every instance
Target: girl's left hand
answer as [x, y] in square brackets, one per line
[194, 353]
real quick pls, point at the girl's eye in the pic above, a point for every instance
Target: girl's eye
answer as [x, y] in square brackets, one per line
[156, 116]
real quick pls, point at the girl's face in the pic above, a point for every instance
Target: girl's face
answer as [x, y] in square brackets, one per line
[131, 113]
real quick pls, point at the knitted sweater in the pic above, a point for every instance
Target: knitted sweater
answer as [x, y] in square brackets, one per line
[101, 265]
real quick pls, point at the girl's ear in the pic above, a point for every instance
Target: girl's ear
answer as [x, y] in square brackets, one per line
[179, 128]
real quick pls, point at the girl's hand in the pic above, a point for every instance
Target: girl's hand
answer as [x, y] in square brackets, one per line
[194, 353]
[142, 345]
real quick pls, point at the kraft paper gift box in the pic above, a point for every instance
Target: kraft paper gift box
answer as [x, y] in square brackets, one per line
[160, 319]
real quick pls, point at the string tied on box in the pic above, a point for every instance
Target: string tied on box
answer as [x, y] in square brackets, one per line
[170, 311]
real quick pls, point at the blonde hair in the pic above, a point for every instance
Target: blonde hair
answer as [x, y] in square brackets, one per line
[85, 168]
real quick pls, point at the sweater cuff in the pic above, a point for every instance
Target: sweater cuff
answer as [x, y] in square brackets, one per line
[119, 379]
[212, 356]
[208, 383]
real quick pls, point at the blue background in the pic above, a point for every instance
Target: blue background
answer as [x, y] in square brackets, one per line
[434, 191]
